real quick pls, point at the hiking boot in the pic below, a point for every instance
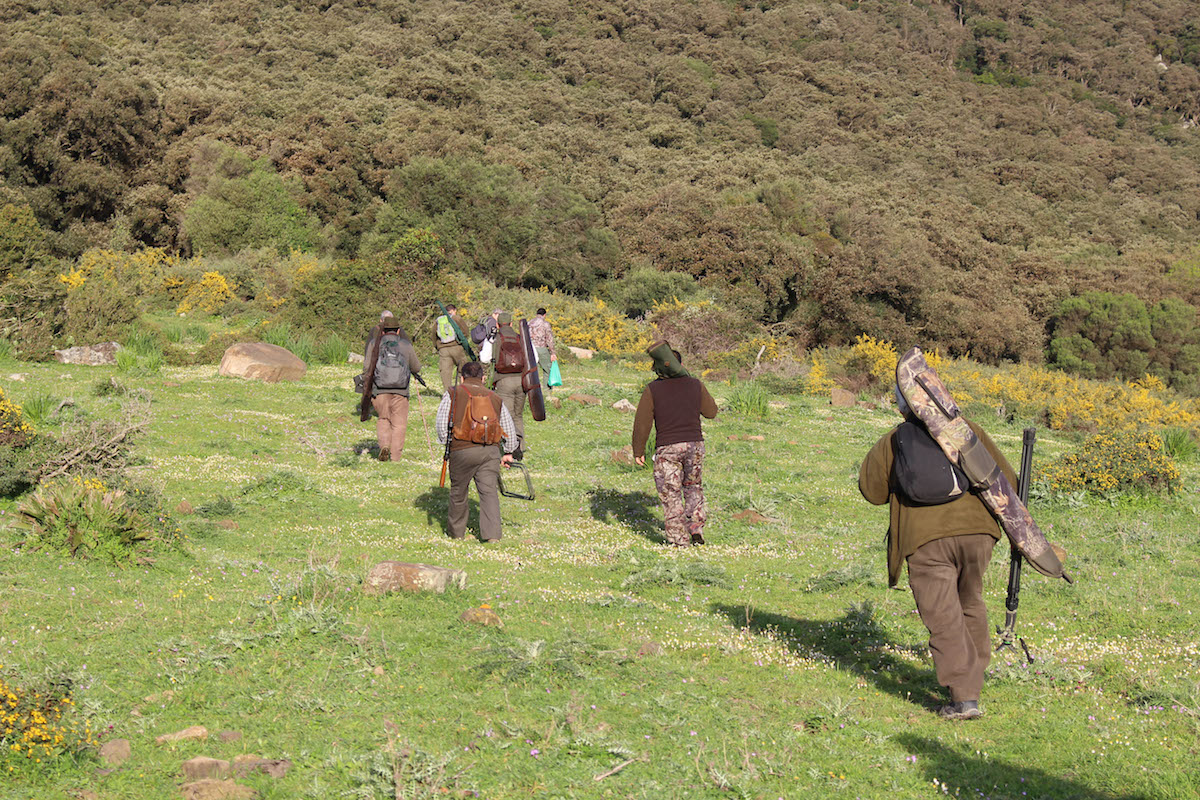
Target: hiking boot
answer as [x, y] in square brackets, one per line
[385, 455]
[964, 709]
[697, 538]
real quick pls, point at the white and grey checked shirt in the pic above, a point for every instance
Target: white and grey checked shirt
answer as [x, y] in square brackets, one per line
[507, 428]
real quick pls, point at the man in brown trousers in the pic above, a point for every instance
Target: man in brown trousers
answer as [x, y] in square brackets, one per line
[947, 547]
[477, 422]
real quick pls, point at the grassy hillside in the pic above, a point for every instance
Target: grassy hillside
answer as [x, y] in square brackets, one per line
[772, 662]
[943, 170]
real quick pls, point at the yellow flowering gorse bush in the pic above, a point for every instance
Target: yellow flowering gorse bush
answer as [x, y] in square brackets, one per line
[37, 724]
[1113, 463]
[15, 430]
[209, 295]
[142, 272]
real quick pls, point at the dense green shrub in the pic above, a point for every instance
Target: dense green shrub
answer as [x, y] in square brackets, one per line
[34, 311]
[83, 518]
[636, 292]
[1105, 335]
[243, 204]
[345, 297]
[22, 241]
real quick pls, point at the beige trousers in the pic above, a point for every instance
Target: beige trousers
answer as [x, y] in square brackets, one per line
[392, 424]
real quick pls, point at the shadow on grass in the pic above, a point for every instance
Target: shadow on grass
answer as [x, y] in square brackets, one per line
[436, 505]
[367, 446]
[854, 643]
[634, 510]
[975, 777]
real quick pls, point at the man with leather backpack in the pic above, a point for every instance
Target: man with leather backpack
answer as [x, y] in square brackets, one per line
[478, 427]
[508, 367]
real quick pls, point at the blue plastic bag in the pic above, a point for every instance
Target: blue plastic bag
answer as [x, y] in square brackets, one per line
[555, 377]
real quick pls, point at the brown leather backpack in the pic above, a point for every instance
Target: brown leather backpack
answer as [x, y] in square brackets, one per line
[480, 422]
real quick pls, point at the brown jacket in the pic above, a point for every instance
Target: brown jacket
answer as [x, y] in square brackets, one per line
[910, 526]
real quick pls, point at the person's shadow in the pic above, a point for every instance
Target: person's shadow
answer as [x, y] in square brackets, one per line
[854, 643]
[436, 505]
[966, 771]
[634, 510]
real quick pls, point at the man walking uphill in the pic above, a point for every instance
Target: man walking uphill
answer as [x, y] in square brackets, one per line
[672, 404]
[476, 422]
[509, 355]
[390, 363]
[449, 352]
[946, 536]
[541, 336]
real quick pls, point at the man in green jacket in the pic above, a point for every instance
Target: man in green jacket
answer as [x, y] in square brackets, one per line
[947, 547]
[451, 355]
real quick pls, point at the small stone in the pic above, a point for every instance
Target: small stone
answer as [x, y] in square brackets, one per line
[842, 398]
[244, 765]
[229, 736]
[201, 767]
[582, 352]
[209, 789]
[623, 456]
[93, 355]
[194, 732]
[751, 516]
[18, 376]
[354, 358]
[379, 672]
[391, 576]
[624, 405]
[756, 438]
[115, 752]
[556, 402]
[227, 524]
[184, 508]
[482, 616]
[733, 437]
[585, 399]
[649, 648]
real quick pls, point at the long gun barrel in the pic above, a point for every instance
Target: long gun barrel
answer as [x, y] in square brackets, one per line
[1028, 437]
[449, 431]
[458, 333]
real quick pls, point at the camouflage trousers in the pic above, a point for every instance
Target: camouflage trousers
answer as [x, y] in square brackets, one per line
[678, 472]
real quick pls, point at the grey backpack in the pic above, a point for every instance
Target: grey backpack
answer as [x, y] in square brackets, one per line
[391, 366]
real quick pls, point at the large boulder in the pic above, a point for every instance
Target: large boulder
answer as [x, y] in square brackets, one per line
[261, 362]
[391, 576]
[93, 355]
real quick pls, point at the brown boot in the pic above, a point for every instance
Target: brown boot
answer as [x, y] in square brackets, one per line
[385, 454]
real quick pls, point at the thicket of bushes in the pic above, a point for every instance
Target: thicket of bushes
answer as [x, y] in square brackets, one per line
[768, 157]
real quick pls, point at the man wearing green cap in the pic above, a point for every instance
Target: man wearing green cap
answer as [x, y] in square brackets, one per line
[509, 363]
[672, 404]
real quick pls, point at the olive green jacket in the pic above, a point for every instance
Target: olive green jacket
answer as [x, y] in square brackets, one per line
[910, 526]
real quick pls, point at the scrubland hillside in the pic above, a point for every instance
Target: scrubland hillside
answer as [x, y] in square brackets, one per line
[943, 172]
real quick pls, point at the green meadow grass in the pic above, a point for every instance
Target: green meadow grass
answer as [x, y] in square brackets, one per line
[772, 662]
